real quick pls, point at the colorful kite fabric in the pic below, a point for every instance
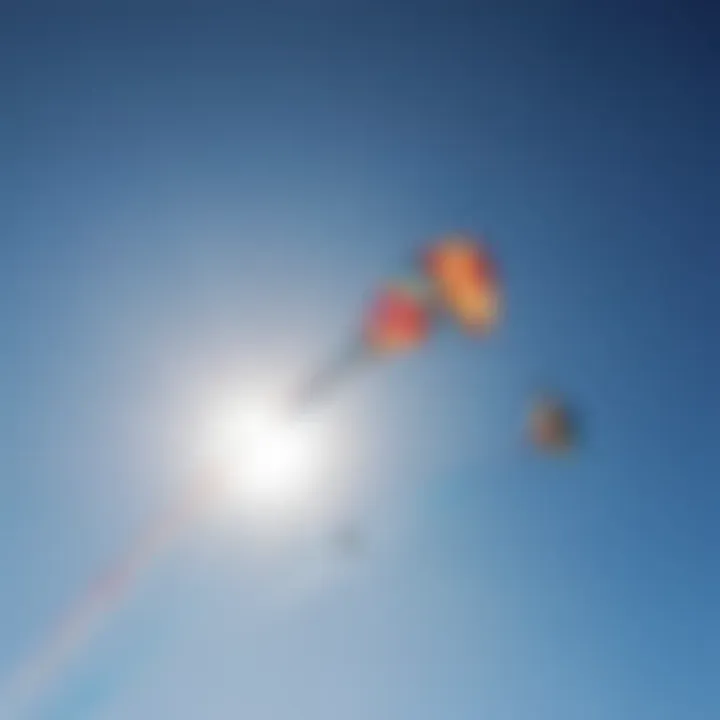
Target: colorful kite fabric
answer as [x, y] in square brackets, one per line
[465, 281]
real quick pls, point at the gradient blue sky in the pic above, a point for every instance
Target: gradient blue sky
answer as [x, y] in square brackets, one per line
[191, 194]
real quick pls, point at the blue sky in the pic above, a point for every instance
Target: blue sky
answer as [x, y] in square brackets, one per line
[194, 194]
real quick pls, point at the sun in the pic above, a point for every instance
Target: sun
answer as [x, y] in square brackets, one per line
[268, 460]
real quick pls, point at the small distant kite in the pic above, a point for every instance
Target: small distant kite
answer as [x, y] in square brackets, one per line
[553, 426]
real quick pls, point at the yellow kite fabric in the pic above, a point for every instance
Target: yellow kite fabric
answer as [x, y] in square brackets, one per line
[465, 282]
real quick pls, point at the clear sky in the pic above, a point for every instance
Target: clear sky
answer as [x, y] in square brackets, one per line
[196, 194]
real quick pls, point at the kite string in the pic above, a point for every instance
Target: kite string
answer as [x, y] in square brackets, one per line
[312, 390]
[77, 626]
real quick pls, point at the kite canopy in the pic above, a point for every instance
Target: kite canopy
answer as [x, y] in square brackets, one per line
[398, 319]
[553, 427]
[465, 282]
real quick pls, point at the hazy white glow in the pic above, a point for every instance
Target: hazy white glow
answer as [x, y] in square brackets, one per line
[270, 460]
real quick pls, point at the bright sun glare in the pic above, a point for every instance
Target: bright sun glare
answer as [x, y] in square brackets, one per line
[269, 460]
